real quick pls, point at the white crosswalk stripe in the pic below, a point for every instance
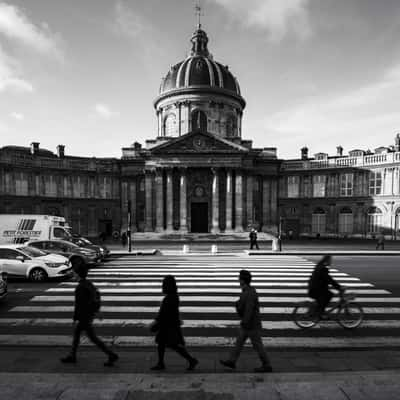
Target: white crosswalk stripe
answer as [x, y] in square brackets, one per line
[208, 287]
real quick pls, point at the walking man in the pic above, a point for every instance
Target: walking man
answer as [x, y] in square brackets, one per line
[87, 303]
[250, 326]
[253, 239]
[381, 242]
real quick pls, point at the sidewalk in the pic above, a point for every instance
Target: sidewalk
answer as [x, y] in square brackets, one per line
[36, 373]
[289, 247]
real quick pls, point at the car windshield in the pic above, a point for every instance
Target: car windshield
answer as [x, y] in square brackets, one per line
[85, 241]
[31, 251]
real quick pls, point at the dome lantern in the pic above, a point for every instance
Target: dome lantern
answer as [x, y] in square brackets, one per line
[199, 43]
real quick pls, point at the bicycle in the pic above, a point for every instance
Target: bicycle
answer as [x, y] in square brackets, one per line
[346, 312]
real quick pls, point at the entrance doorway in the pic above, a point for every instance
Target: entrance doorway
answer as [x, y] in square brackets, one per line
[199, 217]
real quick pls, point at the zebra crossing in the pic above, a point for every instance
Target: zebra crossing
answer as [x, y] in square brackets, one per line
[208, 286]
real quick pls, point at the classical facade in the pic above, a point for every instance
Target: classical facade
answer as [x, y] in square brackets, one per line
[354, 195]
[198, 175]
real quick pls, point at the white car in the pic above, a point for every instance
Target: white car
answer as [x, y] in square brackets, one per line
[21, 260]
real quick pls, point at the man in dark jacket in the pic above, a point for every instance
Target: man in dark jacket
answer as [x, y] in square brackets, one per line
[85, 298]
[250, 326]
[318, 286]
[253, 239]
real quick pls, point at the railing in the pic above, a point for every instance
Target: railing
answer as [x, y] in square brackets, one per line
[57, 163]
[343, 162]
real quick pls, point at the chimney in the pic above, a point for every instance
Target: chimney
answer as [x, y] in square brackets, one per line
[304, 153]
[34, 147]
[339, 151]
[397, 142]
[60, 151]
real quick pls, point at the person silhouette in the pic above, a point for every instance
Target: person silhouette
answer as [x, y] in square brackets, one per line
[167, 326]
[84, 313]
[250, 326]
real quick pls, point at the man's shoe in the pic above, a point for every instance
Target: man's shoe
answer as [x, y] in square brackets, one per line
[228, 363]
[192, 364]
[111, 360]
[158, 367]
[68, 359]
[263, 368]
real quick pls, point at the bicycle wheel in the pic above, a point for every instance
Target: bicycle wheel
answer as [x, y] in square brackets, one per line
[350, 315]
[304, 315]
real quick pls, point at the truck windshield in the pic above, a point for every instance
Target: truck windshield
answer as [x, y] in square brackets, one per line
[31, 251]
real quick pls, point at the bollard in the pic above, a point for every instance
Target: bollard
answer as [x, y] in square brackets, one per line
[185, 249]
[275, 245]
[214, 249]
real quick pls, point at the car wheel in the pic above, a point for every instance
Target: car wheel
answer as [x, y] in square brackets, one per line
[38, 275]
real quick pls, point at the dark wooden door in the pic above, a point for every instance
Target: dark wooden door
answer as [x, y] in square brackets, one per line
[199, 217]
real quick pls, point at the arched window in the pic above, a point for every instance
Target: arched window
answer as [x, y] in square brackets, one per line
[374, 220]
[230, 126]
[169, 125]
[199, 121]
[318, 222]
[345, 221]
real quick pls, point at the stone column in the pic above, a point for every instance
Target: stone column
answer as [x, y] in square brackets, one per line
[170, 200]
[160, 128]
[148, 201]
[183, 202]
[265, 204]
[274, 204]
[228, 201]
[215, 202]
[249, 200]
[239, 202]
[159, 200]
[132, 197]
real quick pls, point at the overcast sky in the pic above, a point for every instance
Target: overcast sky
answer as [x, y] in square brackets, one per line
[315, 73]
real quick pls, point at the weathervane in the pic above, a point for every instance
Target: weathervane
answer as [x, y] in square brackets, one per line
[198, 13]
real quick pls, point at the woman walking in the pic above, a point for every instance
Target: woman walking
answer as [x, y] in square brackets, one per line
[168, 326]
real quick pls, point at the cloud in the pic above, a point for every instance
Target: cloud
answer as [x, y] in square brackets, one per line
[104, 111]
[18, 116]
[361, 115]
[10, 79]
[277, 17]
[128, 23]
[15, 25]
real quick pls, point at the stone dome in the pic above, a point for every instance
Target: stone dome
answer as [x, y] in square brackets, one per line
[199, 70]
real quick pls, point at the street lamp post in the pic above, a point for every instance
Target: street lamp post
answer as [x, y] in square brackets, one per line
[280, 234]
[129, 227]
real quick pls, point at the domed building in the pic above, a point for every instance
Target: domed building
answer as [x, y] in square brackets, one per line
[199, 93]
[198, 174]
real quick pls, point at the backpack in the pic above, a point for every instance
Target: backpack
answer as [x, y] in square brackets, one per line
[95, 298]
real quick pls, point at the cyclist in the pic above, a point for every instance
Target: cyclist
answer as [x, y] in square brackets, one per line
[318, 285]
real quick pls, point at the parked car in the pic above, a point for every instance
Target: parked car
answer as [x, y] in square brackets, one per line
[3, 285]
[83, 242]
[76, 255]
[22, 260]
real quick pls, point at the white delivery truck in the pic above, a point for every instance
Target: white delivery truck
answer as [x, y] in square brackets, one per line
[18, 228]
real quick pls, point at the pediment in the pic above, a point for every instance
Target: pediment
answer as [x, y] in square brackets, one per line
[199, 142]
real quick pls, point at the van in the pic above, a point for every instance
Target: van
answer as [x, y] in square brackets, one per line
[19, 228]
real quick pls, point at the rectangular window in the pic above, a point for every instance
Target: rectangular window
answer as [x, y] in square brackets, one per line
[319, 186]
[375, 183]
[318, 223]
[346, 184]
[50, 186]
[374, 223]
[105, 187]
[345, 224]
[293, 186]
[21, 184]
